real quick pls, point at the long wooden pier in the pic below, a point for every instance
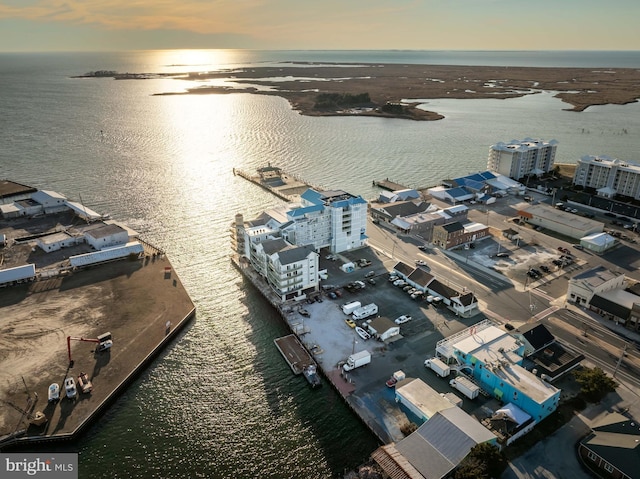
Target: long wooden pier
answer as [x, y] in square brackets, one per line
[389, 185]
[284, 185]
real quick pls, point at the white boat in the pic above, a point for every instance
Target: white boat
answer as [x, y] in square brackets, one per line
[362, 333]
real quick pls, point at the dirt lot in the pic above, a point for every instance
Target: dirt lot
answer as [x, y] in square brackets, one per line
[133, 300]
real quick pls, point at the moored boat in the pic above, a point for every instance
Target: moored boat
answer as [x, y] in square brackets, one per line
[311, 374]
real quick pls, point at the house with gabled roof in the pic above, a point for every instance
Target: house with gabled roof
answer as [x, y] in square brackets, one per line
[613, 447]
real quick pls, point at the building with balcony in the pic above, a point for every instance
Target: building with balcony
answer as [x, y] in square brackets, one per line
[608, 176]
[522, 158]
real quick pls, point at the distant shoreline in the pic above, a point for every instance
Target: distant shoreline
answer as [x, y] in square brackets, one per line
[394, 83]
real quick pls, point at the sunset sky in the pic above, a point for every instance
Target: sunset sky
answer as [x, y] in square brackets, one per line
[114, 25]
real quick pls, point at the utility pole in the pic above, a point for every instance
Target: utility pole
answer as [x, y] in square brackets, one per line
[624, 352]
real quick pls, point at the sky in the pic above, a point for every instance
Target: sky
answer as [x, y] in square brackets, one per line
[116, 25]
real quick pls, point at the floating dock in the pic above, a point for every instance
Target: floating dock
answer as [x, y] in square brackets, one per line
[278, 182]
[294, 353]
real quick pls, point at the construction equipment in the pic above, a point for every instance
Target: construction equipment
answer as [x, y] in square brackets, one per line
[103, 341]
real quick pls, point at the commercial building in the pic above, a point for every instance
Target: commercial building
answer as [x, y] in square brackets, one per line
[493, 358]
[584, 286]
[562, 222]
[608, 176]
[522, 158]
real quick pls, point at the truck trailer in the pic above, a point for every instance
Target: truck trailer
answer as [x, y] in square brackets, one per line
[465, 386]
[356, 360]
[439, 366]
[365, 311]
[349, 308]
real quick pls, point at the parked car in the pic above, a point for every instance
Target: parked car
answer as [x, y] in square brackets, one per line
[545, 269]
[400, 283]
[407, 287]
[54, 392]
[84, 383]
[578, 247]
[370, 274]
[509, 327]
[70, 388]
[420, 262]
[502, 255]
[350, 322]
[422, 247]
[402, 319]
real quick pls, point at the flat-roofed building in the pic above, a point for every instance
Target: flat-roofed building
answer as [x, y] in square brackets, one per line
[608, 176]
[566, 224]
[494, 358]
[420, 398]
[107, 236]
[584, 286]
[521, 158]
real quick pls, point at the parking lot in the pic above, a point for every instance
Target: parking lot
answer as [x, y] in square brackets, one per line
[336, 340]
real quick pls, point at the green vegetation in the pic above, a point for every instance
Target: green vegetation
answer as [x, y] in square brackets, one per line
[595, 384]
[341, 100]
[483, 461]
[393, 108]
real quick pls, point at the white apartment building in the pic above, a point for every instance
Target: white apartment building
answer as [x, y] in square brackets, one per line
[328, 219]
[291, 271]
[520, 158]
[608, 176]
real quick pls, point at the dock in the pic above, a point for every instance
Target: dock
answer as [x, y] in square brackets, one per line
[285, 186]
[389, 185]
[294, 353]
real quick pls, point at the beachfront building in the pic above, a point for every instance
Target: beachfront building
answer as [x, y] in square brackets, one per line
[608, 176]
[291, 271]
[106, 236]
[518, 159]
[333, 219]
[493, 359]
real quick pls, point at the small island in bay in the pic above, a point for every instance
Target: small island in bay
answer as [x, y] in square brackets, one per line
[387, 90]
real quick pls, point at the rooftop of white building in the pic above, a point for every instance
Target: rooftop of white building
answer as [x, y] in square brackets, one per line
[609, 162]
[595, 277]
[422, 396]
[523, 145]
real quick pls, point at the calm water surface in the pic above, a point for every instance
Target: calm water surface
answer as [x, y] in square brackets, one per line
[221, 402]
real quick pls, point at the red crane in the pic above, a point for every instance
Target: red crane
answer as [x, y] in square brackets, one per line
[103, 341]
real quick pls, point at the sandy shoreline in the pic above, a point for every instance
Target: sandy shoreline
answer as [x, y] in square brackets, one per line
[580, 88]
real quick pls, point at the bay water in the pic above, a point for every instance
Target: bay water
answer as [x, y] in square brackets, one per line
[220, 402]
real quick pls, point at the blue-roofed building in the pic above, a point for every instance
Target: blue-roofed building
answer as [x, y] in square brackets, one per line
[329, 219]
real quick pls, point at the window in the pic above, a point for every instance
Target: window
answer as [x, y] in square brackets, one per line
[592, 456]
[608, 467]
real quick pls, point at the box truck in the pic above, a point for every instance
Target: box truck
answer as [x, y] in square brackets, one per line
[365, 311]
[465, 386]
[439, 366]
[356, 360]
[349, 308]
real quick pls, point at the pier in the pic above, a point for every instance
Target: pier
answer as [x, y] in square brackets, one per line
[285, 186]
[389, 185]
